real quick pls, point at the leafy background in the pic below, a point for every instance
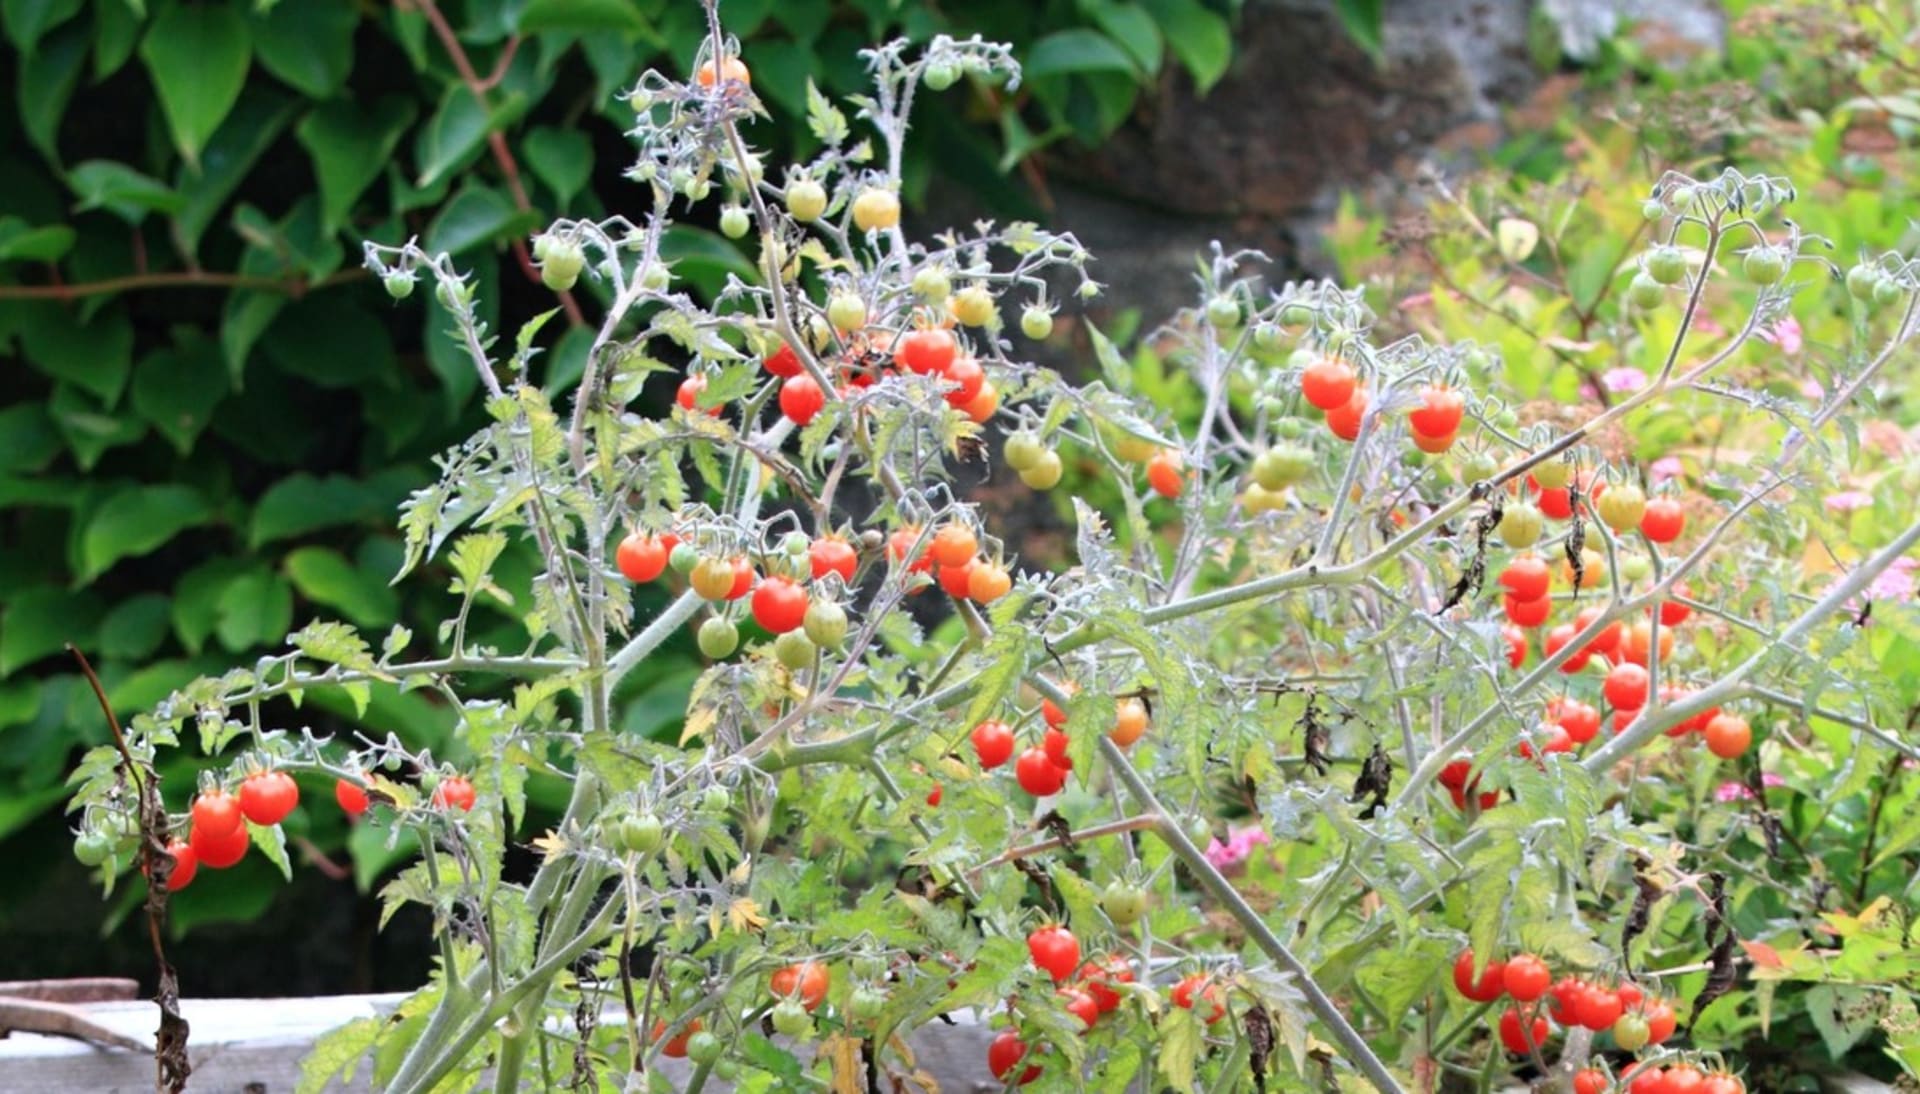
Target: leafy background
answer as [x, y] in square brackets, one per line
[212, 412]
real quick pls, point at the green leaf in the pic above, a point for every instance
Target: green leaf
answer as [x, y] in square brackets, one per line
[137, 520]
[176, 389]
[1200, 38]
[325, 576]
[330, 340]
[560, 158]
[338, 1054]
[452, 136]
[244, 318]
[94, 355]
[824, 119]
[196, 599]
[27, 438]
[349, 149]
[39, 621]
[89, 428]
[308, 45]
[1134, 29]
[122, 191]
[477, 214]
[47, 80]
[1365, 23]
[254, 609]
[581, 16]
[27, 20]
[197, 55]
[134, 629]
[1073, 51]
[116, 29]
[19, 243]
[235, 147]
[301, 504]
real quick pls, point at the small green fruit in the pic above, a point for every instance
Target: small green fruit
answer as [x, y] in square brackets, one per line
[718, 638]
[640, 834]
[399, 284]
[794, 650]
[1036, 322]
[806, 200]
[734, 222]
[940, 75]
[1045, 472]
[931, 284]
[1666, 265]
[825, 624]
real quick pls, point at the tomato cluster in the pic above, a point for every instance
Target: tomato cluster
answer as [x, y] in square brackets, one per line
[217, 826]
[1634, 1019]
[1042, 769]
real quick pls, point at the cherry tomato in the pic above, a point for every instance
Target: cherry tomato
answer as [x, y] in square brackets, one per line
[1080, 1003]
[742, 579]
[216, 813]
[1208, 991]
[185, 865]
[1492, 981]
[1166, 474]
[900, 544]
[1590, 1081]
[1098, 974]
[1556, 502]
[927, 351]
[268, 796]
[454, 792]
[689, 392]
[1038, 774]
[1527, 577]
[783, 362]
[1636, 642]
[1620, 507]
[712, 578]
[675, 1049]
[1648, 1080]
[1526, 613]
[218, 852]
[1129, 721]
[801, 398]
[1439, 412]
[1626, 686]
[1329, 383]
[969, 378]
[1684, 1079]
[1433, 446]
[1344, 420]
[1004, 1054]
[1606, 639]
[352, 798]
[779, 605]
[641, 558]
[833, 555]
[1521, 1037]
[992, 743]
[956, 580]
[1580, 720]
[1564, 1000]
[1557, 639]
[731, 70]
[1516, 640]
[954, 545]
[1663, 520]
[1728, 736]
[1722, 1083]
[934, 796]
[1673, 612]
[982, 407]
[1526, 977]
[988, 582]
[807, 981]
[1599, 1009]
[1054, 743]
[1053, 948]
[1660, 1022]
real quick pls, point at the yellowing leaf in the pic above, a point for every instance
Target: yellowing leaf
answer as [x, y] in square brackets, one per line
[744, 917]
[849, 1076]
[551, 845]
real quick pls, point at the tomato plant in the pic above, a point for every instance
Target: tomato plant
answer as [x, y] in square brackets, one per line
[1367, 763]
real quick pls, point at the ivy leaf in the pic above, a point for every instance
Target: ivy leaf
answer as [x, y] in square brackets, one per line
[137, 520]
[39, 621]
[177, 389]
[475, 215]
[582, 16]
[1199, 37]
[197, 55]
[1075, 51]
[235, 147]
[20, 243]
[47, 79]
[309, 46]
[325, 576]
[95, 355]
[254, 609]
[349, 148]
[560, 158]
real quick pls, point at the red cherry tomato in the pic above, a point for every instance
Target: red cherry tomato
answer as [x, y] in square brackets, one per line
[807, 981]
[801, 398]
[1206, 990]
[955, 580]
[970, 379]
[992, 743]
[1005, 1053]
[216, 813]
[1526, 977]
[1328, 383]
[454, 792]
[268, 796]
[217, 852]
[690, 389]
[641, 558]
[779, 605]
[1344, 420]
[783, 362]
[928, 351]
[954, 545]
[833, 555]
[1054, 950]
[1527, 577]
[1439, 412]
[1626, 686]
[1166, 474]
[1526, 613]
[352, 798]
[185, 865]
[1521, 1037]
[1491, 983]
[1663, 520]
[1038, 774]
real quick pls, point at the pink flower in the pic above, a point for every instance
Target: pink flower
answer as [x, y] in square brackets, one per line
[1240, 844]
[1619, 380]
[1769, 780]
[1896, 582]
[1708, 327]
[1732, 792]
[1846, 501]
[1664, 469]
[1811, 389]
[1785, 334]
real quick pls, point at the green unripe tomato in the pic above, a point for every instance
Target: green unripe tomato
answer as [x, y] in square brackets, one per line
[715, 800]
[1045, 472]
[450, 294]
[718, 638]
[683, 558]
[940, 75]
[1301, 358]
[1296, 314]
[869, 965]
[1478, 467]
[1666, 265]
[866, 1004]
[655, 277]
[1887, 293]
[696, 189]
[92, 848]
[973, 307]
[795, 544]
[704, 1048]
[1764, 265]
[1022, 450]
[562, 266]
[1124, 904]
[1268, 336]
[1413, 457]
[806, 200]
[931, 283]
[1622, 506]
[825, 624]
[876, 209]
[399, 284]
[1682, 197]
[727, 1069]
[791, 1019]
[1862, 280]
[542, 246]
[1291, 429]
[1036, 322]
[1553, 474]
[1200, 831]
[1282, 465]
[734, 222]
[1223, 311]
[1630, 1032]
[846, 311]
[794, 650]
[1651, 209]
[641, 833]
[1635, 567]
[1506, 419]
[1521, 525]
